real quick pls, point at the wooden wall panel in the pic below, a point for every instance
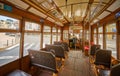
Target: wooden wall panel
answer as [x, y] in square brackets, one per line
[6, 69]
[25, 63]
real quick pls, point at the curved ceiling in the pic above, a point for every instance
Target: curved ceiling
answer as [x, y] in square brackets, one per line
[64, 11]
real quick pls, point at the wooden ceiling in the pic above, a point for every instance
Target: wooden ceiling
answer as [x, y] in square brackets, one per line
[65, 11]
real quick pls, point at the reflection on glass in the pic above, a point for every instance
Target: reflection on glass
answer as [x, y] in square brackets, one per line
[46, 39]
[111, 44]
[31, 41]
[100, 40]
[9, 47]
[9, 23]
[32, 26]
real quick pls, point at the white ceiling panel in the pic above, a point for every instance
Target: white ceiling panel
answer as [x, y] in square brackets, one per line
[59, 23]
[50, 19]
[19, 3]
[104, 14]
[34, 11]
[114, 6]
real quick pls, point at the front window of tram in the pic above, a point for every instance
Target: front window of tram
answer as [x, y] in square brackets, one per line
[9, 39]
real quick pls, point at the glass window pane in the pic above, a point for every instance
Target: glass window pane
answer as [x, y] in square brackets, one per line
[54, 38]
[100, 40]
[59, 30]
[9, 23]
[46, 39]
[95, 38]
[46, 29]
[54, 29]
[111, 28]
[65, 35]
[9, 47]
[31, 41]
[87, 35]
[95, 31]
[111, 44]
[59, 37]
[32, 26]
[100, 30]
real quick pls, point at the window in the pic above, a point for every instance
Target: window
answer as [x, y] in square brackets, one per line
[59, 35]
[9, 40]
[31, 37]
[100, 30]
[46, 29]
[31, 41]
[100, 36]
[111, 38]
[54, 36]
[46, 39]
[100, 40]
[9, 23]
[46, 35]
[87, 35]
[65, 35]
[95, 36]
[32, 26]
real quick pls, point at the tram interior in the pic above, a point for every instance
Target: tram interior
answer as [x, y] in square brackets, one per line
[59, 37]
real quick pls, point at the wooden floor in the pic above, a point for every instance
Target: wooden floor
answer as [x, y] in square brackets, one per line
[75, 65]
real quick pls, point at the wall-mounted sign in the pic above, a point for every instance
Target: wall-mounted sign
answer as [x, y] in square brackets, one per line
[5, 7]
[8, 8]
[1, 6]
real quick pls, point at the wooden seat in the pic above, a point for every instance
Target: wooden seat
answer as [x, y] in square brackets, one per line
[94, 48]
[59, 50]
[64, 44]
[115, 71]
[43, 59]
[103, 58]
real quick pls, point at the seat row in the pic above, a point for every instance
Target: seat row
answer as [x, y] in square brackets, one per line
[104, 62]
[50, 58]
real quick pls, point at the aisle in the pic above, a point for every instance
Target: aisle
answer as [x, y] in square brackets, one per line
[76, 65]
